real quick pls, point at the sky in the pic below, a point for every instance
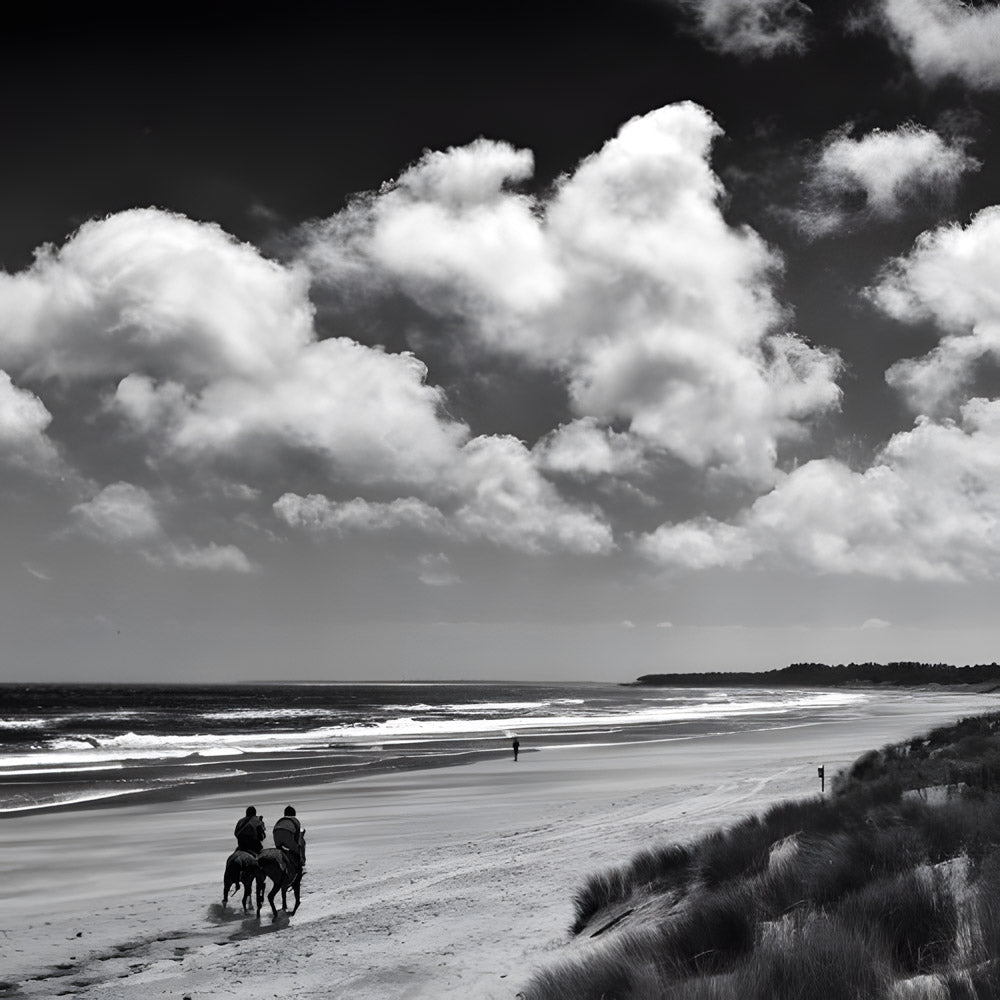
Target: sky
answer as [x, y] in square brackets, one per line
[531, 341]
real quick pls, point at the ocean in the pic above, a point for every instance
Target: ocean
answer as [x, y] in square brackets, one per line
[87, 744]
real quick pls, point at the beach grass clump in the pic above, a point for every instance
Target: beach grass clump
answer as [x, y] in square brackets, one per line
[965, 823]
[656, 869]
[887, 888]
[738, 852]
[702, 941]
[914, 914]
[820, 957]
[710, 937]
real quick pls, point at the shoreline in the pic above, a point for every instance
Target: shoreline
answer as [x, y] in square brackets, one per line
[451, 882]
[114, 781]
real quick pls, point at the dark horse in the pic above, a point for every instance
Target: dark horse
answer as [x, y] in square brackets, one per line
[284, 871]
[241, 866]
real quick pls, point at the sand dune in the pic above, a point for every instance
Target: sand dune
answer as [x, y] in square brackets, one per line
[447, 883]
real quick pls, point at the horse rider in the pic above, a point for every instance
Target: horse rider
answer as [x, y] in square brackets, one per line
[250, 832]
[289, 835]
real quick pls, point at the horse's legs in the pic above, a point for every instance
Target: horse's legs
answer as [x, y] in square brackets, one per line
[296, 886]
[270, 898]
[247, 885]
[260, 892]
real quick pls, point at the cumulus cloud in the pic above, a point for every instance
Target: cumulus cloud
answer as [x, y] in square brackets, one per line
[125, 515]
[368, 413]
[583, 448]
[156, 292]
[212, 558]
[949, 278]
[494, 493]
[946, 38]
[506, 500]
[23, 422]
[749, 28]
[927, 509]
[120, 514]
[318, 513]
[626, 281]
[205, 355]
[886, 171]
[213, 350]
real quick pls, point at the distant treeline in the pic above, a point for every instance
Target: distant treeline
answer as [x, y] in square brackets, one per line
[823, 675]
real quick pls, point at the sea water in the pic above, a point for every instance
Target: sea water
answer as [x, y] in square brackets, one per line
[66, 745]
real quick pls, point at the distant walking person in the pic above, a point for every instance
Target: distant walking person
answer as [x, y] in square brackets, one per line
[517, 747]
[288, 834]
[250, 832]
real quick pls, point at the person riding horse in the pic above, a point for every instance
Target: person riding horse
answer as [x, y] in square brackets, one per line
[289, 836]
[250, 832]
[284, 863]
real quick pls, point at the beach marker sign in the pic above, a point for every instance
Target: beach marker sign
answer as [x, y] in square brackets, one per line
[822, 777]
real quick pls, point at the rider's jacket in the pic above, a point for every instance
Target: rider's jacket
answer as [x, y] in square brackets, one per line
[287, 833]
[250, 833]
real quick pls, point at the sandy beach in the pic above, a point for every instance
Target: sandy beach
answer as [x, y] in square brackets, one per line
[452, 882]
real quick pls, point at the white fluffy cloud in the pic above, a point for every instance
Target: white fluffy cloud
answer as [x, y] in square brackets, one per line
[126, 515]
[947, 38]
[152, 291]
[928, 508]
[949, 277]
[214, 352]
[206, 354]
[888, 169]
[120, 513]
[749, 28]
[212, 558]
[318, 513]
[23, 423]
[627, 281]
[583, 448]
[367, 413]
[494, 492]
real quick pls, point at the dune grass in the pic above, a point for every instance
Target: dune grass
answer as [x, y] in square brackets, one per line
[877, 891]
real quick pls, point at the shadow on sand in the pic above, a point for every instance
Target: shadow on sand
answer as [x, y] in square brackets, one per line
[219, 914]
[252, 927]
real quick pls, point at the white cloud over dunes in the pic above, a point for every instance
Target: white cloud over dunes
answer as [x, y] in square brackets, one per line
[946, 38]
[887, 170]
[928, 509]
[749, 28]
[949, 278]
[626, 281]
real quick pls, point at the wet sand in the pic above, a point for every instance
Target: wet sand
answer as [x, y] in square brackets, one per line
[445, 883]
